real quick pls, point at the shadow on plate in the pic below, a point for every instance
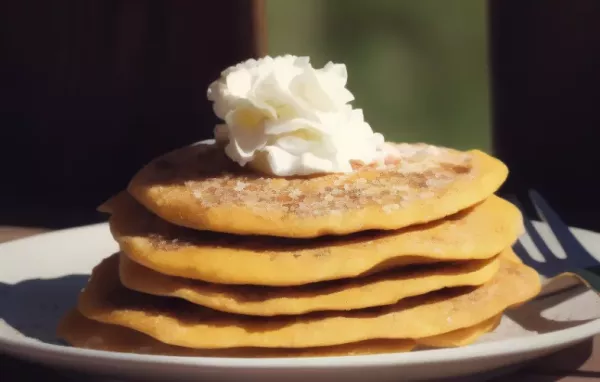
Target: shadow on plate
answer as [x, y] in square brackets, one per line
[531, 315]
[34, 307]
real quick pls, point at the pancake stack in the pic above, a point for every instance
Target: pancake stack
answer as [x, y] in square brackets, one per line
[217, 259]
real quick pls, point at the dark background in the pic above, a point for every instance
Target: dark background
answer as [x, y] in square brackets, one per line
[91, 90]
[545, 57]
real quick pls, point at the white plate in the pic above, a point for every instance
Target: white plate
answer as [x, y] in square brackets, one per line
[41, 276]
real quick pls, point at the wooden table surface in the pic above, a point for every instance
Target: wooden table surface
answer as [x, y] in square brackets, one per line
[580, 363]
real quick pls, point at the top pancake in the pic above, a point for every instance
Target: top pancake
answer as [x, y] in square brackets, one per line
[199, 187]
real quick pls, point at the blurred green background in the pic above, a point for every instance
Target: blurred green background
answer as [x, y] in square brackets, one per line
[418, 68]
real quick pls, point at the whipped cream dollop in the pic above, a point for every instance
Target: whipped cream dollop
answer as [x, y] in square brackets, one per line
[284, 117]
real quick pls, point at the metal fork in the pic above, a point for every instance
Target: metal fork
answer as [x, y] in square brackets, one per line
[559, 272]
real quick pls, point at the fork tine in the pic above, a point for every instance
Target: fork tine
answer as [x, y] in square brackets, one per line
[575, 251]
[533, 233]
[551, 265]
[521, 251]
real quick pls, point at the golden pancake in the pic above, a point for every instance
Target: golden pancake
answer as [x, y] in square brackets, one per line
[199, 187]
[510, 255]
[479, 232]
[461, 337]
[178, 322]
[82, 332]
[380, 289]
[85, 333]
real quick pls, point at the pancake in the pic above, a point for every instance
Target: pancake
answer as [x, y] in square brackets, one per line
[479, 232]
[85, 333]
[376, 290]
[462, 337]
[82, 332]
[178, 322]
[200, 188]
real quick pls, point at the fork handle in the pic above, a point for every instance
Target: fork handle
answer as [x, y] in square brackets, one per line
[590, 277]
[564, 282]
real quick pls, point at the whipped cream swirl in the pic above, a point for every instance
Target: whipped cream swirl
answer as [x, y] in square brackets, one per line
[284, 117]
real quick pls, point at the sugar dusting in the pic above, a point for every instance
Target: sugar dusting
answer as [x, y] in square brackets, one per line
[410, 172]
